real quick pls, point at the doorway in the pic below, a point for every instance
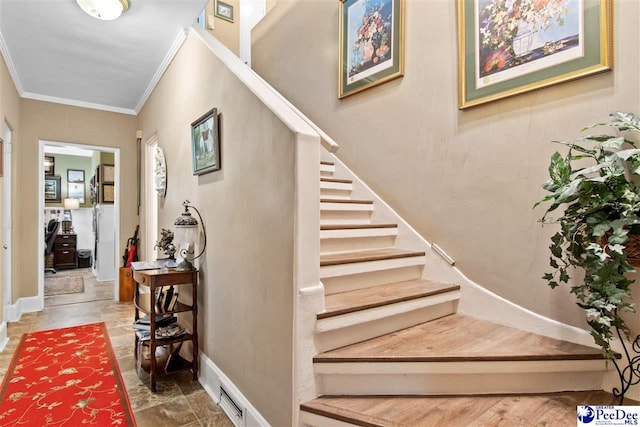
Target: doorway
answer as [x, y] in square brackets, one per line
[150, 199]
[6, 220]
[75, 178]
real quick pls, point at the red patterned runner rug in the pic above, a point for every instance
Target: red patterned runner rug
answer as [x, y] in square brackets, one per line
[65, 378]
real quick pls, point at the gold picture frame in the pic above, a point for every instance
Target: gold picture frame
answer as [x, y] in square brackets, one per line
[371, 53]
[561, 41]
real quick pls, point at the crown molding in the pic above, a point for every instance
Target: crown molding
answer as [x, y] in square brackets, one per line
[75, 103]
[173, 50]
[12, 69]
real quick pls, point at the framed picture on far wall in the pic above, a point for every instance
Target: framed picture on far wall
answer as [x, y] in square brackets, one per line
[75, 190]
[205, 143]
[508, 48]
[75, 175]
[224, 11]
[371, 44]
[52, 189]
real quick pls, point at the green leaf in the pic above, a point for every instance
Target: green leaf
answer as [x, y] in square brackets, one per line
[564, 277]
[625, 154]
[559, 169]
[616, 248]
[569, 192]
[587, 171]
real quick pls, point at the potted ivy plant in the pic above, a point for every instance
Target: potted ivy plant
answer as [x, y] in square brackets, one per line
[593, 187]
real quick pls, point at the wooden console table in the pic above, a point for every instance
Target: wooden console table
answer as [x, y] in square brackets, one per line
[164, 357]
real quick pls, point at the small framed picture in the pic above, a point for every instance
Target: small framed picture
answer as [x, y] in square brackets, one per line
[49, 165]
[75, 175]
[108, 173]
[205, 143]
[52, 189]
[108, 193]
[224, 11]
[75, 190]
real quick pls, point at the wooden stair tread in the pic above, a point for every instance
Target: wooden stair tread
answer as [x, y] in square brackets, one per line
[457, 338]
[327, 163]
[553, 409]
[378, 296]
[355, 226]
[342, 181]
[365, 256]
[364, 202]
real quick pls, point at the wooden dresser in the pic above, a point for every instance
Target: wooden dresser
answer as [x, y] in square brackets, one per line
[64, 251]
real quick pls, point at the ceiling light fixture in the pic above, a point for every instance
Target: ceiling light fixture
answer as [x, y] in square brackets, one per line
[104, 9]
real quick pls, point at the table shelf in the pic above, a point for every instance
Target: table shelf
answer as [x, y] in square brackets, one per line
[164, 352]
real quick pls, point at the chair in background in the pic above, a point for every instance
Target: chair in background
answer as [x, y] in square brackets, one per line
[49, 239]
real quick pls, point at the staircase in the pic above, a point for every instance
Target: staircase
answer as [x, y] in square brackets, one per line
[391, 342]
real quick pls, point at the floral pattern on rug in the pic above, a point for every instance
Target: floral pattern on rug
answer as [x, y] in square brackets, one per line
[65, 377]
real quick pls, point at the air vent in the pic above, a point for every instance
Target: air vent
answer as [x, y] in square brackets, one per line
[231, 407]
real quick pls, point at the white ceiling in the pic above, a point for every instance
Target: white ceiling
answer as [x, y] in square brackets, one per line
[55, 52]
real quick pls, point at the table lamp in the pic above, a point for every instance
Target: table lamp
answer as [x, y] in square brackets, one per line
[67, 221]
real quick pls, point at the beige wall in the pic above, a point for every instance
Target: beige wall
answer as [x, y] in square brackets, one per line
[227, 32]
[57, 122]
[9, 112]
[466, 180]
[246, 292]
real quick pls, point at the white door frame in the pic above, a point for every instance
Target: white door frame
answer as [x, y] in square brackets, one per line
[150, 208]
[116, 206]
[6, 221]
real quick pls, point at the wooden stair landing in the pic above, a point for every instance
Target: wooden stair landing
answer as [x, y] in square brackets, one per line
[554, 409]
[457, 338]
[377, 296]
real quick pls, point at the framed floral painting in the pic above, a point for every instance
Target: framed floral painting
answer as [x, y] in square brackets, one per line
[371, 44]
[508, 47]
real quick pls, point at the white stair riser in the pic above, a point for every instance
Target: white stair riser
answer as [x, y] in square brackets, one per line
[327, 170]
[344, 283]
[332, 193]
[345, 217]
[314, 420]
[354, 233]
[335, 333]
[369, 266]
[405, 382]
[342, 186]
[337, 245]
[345, 207]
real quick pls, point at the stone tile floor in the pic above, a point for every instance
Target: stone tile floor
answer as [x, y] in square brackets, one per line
[179, 401]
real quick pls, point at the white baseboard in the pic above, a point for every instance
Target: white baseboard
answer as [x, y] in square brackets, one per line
[4, 339]
[24, 305]
[212, 377]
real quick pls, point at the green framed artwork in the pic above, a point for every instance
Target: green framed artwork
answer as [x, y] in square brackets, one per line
[371, 44]
[509, 47]
[52, 193]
